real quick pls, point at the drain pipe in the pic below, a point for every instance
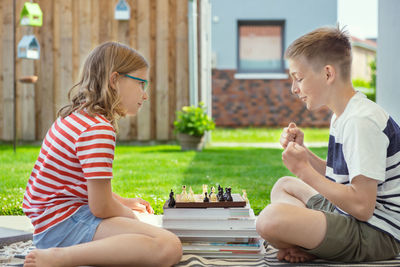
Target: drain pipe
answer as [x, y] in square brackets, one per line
[193, 62]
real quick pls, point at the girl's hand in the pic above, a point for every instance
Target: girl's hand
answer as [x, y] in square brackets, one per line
[295, 158]
[138, 204]
[291, 134]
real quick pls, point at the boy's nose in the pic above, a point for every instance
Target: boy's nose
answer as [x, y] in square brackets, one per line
[145, 96]
[295, 90]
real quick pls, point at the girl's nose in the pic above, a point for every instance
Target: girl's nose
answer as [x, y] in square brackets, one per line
[145, 96]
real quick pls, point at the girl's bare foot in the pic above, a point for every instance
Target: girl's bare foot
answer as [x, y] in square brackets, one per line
[294, 255]
[52, 257]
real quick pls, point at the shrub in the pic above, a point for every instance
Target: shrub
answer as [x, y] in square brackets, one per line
[193, 120]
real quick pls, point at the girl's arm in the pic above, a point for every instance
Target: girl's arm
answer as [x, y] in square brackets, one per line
[136, 204]
[103, 203]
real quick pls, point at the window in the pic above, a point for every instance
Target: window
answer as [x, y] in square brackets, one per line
[260, 46]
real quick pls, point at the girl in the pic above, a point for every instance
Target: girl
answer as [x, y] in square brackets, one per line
[78, 220]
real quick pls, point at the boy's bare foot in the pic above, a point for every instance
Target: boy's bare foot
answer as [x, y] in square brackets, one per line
[51, 257]
[294, 255]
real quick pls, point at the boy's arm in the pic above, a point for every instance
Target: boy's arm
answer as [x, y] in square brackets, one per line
[316, 162]
[293, 134]
[103, 203]
[357, 199]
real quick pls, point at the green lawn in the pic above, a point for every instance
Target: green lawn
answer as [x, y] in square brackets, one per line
[151, 171]
[265, 135]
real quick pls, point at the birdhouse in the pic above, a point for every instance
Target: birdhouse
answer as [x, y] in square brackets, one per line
[31, 15]
[29, 47]
[122, 11]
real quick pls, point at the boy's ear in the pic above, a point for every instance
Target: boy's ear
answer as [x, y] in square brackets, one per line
[330, 73]
[113, 80]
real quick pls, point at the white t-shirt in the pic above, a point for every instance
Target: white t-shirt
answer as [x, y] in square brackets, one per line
[365, 140]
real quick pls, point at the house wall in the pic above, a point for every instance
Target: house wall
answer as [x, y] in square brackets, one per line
[260, 101]
[71, 28]
[360, 66]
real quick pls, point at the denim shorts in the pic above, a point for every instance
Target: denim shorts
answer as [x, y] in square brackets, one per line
[78, 228]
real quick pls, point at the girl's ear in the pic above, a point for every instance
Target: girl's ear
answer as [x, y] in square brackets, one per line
[113, 80]
[330, 73]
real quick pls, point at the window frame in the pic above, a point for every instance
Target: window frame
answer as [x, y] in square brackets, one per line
[280, 23]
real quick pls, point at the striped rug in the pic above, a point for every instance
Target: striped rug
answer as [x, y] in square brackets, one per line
[271, 260]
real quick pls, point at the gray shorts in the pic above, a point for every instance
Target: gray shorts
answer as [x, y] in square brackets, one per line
[79, 228]
[348, 239]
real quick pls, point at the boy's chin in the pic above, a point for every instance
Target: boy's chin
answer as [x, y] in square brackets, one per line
[312, 107]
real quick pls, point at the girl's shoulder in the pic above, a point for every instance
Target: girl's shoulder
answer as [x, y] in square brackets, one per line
[83, 121]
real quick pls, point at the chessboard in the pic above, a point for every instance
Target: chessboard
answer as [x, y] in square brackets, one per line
[238, 201]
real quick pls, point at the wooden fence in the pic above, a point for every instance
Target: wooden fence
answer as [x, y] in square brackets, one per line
[71, 28]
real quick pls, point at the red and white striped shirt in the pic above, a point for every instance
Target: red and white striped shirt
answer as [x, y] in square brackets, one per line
[76, 148]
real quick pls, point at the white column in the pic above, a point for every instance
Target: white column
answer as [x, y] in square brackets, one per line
[388, 57]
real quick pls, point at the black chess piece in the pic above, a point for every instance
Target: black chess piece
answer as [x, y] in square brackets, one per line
[171, 201]
[220, 195]
[229, 195]
[226, 193]
[206, 199]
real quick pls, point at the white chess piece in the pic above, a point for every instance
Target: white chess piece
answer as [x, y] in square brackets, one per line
[184, 195]
[213, 197]
[191, 195]
[244, 196]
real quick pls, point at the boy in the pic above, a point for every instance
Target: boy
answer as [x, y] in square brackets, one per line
[348, 207]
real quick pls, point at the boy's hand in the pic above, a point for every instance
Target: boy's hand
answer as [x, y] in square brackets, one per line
[291, 134]
[139, 205]
[295, 158]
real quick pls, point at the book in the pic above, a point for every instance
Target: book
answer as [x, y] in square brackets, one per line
[189, 239]
[229, 254]
[211, 223]
[198, 213]
[237, 233]
[222, 246]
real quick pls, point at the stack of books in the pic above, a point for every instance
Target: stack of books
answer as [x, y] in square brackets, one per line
[215, 232]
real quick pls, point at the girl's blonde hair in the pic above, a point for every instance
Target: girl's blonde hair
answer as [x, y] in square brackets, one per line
[93, 92]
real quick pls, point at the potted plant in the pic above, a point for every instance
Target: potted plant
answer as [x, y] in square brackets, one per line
[191, 125]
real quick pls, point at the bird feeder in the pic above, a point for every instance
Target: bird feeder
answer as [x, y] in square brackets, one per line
[122, 11]
[31, 15]
[29, 47]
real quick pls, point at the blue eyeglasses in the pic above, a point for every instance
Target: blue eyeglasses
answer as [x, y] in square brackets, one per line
[144, 84]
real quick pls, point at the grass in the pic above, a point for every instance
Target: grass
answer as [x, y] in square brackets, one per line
[265, 135]
[150, 172]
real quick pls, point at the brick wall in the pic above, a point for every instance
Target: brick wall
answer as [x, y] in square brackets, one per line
[242, 103]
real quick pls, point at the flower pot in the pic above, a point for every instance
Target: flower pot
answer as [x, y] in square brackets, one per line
[190, 142]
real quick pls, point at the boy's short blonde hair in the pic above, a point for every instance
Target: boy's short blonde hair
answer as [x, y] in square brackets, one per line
[324, 46]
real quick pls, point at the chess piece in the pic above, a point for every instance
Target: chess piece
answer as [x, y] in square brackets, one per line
[171, 201]
[205, 188]
[191, 195]
[220, 194]
[226, 193]
[184, 195]
[229, 195]
[206, 198]
[213, 196]
[244, 196]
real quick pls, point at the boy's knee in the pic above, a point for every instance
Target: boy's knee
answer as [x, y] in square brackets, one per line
[282, 184]
[269, 221]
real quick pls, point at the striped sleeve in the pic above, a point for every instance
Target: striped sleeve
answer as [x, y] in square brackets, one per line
[95, 150]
